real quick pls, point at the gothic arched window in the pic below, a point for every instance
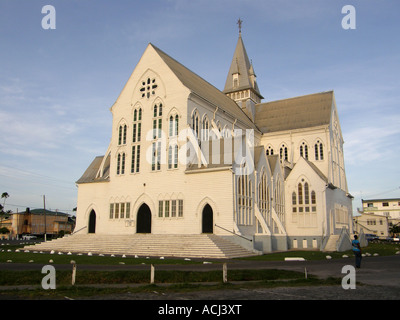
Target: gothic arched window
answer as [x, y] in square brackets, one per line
[319, 150]
[304, 150]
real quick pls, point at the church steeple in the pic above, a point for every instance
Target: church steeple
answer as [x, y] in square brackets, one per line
[241, 83]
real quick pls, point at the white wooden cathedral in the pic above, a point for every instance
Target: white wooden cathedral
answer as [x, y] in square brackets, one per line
[186, 159]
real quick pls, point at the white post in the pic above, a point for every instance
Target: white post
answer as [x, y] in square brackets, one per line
[73, 273]
[152, 274]
[224, 273]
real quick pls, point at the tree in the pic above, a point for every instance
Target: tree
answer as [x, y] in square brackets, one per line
[4, 230]
[395, 229]
[4, 196]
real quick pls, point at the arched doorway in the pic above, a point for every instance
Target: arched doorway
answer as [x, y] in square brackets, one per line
[207, 219]
[143, 219]
[92, 222]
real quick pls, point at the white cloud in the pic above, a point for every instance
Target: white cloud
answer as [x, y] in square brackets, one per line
[376, 141]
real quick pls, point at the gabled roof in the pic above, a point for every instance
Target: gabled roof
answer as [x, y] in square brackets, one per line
[273, 160]
[295, 113]
[91, 172]
[204, 89]
[241, 65]
[312, 166]
[317, 171]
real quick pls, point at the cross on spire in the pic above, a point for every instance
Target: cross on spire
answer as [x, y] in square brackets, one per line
[239, 22]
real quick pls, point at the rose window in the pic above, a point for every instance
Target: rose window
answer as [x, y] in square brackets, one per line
[148, 87]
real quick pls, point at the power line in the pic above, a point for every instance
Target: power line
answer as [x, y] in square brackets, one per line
[25, 206]
[34, 177]
[378, 194]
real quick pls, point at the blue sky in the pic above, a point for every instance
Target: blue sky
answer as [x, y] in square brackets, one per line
[56, 86]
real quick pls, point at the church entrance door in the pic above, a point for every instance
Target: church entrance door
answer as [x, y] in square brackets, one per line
[207, 219]
[143, 219]
[92, 222]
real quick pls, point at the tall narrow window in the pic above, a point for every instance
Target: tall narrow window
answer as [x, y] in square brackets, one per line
[120, 135]
[176, 124]
[123, 163]
[205, 129]
[118, 163]
[313, 201]
[304, 150]
[111, 210]
[122, 215]
[170, 157]
[173, 208]
[117, 211]
[157, 132]
[319, 150]
[171, 126]
[122, 130]
[300, 193]
[195, 123]
[137, 125]
[173, 146]
[128, 210]
[306, 194]
[175, 156]
[180, 209]
[159, 155]
[136, 138]
[124, 135]
[135, 163]
[166, 209]
[283, 153]
[160, 208]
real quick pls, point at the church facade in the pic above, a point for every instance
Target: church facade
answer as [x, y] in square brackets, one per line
[187, 158]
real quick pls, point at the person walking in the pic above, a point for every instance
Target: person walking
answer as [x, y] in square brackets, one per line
[357, 251]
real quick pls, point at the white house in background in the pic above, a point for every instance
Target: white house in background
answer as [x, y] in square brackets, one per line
[187, 158]
[378, 216]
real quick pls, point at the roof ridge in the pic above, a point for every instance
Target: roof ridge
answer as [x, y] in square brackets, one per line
[297, 97]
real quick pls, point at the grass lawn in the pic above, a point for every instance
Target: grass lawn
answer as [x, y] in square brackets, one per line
[382, 249]
[8, 253]
[177, 280]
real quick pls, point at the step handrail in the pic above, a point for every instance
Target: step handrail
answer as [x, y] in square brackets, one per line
[251, 240]
[78, 230]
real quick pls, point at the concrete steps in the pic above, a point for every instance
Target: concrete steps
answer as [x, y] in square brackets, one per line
[189, 246]
[332, 243]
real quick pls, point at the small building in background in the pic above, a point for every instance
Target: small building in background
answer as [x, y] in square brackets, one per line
[37, 222]
[378, 217]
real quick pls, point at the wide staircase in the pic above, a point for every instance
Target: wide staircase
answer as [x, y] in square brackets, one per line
[147, 245]
[332, 243]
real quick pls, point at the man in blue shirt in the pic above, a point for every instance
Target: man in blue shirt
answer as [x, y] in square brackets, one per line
[357, 251]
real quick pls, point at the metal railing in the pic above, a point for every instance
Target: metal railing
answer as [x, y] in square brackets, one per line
[238, 235]
[78, 230]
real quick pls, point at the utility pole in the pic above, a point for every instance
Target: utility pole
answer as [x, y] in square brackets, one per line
[44, 207]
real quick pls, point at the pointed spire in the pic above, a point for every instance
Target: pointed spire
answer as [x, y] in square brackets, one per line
[241, 75]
